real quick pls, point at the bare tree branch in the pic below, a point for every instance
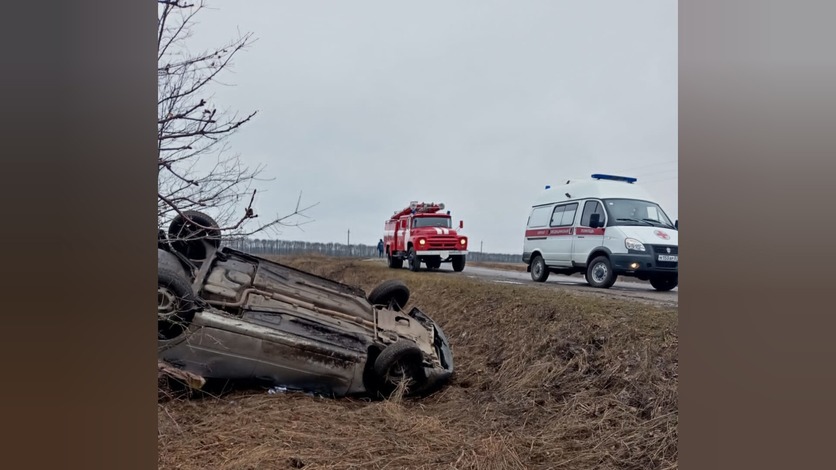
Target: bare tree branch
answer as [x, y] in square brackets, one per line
[195, 169]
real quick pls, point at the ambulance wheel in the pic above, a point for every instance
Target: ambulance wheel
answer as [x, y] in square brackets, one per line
[414, 261]
[539, 272]
[600, 274]
[664, 283]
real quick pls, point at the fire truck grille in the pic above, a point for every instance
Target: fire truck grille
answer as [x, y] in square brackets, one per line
[442, 243]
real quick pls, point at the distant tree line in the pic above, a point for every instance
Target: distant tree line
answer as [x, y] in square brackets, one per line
[293, 247]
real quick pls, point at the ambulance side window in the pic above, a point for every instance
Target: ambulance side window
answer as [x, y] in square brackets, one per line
[564, 216]
[557, 215]
[591, 207]
[539, 217]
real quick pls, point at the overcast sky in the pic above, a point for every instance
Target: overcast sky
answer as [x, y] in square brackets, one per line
[367, 105]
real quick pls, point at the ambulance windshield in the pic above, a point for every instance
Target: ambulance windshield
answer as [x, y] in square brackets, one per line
[443, 222]
[636, 212]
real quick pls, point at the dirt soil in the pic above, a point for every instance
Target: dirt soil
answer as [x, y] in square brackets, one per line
[544, 379]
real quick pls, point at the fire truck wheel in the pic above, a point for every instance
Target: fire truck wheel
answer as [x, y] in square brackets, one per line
[392, 293]
[394, 263]
[458, 263]
[414, 261]
[539, 271]
[398, 362]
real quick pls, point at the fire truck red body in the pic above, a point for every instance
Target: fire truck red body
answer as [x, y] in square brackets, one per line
[424, 233]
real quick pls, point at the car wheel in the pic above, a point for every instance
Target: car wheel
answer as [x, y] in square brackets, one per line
[391, 293]
[458, 263]
[664, 283]
[414, 261]
[539, 270]
[401, 361]
[600, 274]
[170, 261]
[188, 234]
[175, 304]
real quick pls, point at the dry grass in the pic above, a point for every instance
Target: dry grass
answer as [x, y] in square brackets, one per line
[545, 379]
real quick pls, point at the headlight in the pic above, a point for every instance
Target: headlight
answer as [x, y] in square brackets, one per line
[463, 241]
[633, 244]
[422, 242]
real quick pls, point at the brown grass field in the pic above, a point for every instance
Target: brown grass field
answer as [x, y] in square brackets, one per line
[544, 379]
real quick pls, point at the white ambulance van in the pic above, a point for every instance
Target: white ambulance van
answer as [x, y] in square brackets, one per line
[603, 227]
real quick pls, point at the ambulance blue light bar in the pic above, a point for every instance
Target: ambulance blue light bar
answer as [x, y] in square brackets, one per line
[626, 179]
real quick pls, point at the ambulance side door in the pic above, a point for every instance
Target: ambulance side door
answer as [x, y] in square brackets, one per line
[587, 238]
[561, 231]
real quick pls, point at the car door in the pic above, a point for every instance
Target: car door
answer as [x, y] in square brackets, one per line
[537, 232]
[586, 237]
[561, 233]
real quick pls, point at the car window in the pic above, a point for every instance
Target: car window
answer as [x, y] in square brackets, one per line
[589, 208]
[564, 216]
[539, 217]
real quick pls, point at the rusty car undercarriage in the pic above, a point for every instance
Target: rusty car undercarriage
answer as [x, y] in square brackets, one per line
[225, 314]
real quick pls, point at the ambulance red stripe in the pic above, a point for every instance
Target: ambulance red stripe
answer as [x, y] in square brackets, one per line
[563, 231]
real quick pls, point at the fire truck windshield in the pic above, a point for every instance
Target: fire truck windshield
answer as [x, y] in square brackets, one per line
[443, 222]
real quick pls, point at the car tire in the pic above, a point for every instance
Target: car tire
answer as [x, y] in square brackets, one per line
[539, 270]
[458, 263]
[414, 261]
[171, 262]
[392, 293]
[189, 239]
[401, 359]
[664, 283]
[176, 304]
[599, 273]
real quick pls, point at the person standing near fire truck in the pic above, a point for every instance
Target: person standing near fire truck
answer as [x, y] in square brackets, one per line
[380, 248]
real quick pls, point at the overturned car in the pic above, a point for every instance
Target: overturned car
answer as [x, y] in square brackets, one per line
[225, 314]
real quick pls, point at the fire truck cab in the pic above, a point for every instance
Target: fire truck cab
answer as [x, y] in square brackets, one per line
[424, 233]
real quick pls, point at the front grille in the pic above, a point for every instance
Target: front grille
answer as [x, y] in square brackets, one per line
[663, 250]
[442, 243]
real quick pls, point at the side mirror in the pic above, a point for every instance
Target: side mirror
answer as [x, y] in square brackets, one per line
[595, 220]
[461, 224]
[676, 224]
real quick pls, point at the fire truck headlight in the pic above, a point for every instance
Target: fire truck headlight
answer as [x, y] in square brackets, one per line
[463, 241]
[422, 242]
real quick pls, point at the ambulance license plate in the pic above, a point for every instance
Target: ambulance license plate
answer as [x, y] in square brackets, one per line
[669, 258]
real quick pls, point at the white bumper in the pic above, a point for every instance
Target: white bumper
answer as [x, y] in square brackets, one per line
[442, 253]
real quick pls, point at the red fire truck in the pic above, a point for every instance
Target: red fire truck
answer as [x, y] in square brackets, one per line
[423, 233]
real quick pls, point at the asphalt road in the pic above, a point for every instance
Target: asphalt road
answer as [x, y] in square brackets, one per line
[623, 289]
